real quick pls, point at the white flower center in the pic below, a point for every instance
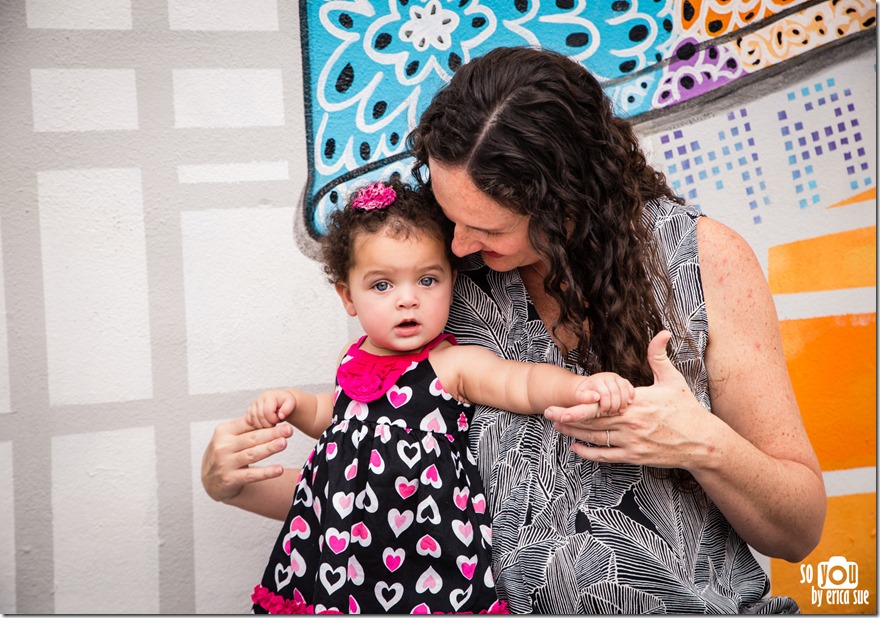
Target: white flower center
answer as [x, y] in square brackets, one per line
[429, 25]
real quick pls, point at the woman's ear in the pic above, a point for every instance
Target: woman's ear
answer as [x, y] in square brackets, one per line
[345, 295]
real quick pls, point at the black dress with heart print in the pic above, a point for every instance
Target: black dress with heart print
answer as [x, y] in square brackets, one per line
[389, 513]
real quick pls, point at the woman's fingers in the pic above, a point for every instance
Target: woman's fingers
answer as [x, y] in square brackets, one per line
[258, 444]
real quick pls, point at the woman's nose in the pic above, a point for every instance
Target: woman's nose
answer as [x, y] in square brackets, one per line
[462, 243]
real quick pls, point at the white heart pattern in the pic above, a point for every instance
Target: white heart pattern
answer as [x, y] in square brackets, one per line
[429, 581]
[331, 578]
[399, 521]
[433, 422]
[409, 453]
[387, 600]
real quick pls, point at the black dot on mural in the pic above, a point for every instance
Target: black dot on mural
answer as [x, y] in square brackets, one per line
[750, 16]
[379, 109]
[658, 57]
[620, 6]
[687, 10]
[818, 18]
[462, 2]
[345, 20]
[686, 51]
[329, 148]
[412, 67]
[631, 99]
[454, 61]
[478, 22]
[638, 33]
[334, 197]
[687, 81]
[779, 37]
[795, 31]
[713, 53]
[869, 22]
[644, 85]
[731, 64]
[521, 5]
[577, 39]
[715, 26]
[565, 4]
[667, 25]
[346, 77]
[394, 138]
[404, 2]
[383, 40]
[365, 151]
[664, 94]
[626, 67]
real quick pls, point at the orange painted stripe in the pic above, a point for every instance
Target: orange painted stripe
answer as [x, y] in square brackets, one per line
[833, 367]
[850, 531]
[865, 196]
[833, 262]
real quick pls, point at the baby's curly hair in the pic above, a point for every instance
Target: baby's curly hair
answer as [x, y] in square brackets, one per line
[414, 211]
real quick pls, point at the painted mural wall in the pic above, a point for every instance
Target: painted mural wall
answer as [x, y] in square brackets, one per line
[156, 155]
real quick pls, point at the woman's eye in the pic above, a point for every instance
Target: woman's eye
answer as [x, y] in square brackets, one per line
[427, 281]
[382, 286]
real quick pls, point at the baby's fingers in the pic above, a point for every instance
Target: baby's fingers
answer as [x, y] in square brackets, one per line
[285, 408]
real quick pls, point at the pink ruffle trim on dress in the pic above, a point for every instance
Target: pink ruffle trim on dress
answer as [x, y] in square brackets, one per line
[366, 377]
[275, 604]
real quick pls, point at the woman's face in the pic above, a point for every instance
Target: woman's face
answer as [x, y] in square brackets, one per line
[481, 223]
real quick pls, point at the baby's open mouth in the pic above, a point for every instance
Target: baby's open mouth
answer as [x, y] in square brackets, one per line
[408, 323]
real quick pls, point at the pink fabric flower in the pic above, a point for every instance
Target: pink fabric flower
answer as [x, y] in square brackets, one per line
[374, 197]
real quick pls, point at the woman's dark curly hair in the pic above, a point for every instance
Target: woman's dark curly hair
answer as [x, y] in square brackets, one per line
[414, 212]
[536, 133]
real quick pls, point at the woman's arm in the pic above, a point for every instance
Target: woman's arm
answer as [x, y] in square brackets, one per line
[763, 474]
[752, 455]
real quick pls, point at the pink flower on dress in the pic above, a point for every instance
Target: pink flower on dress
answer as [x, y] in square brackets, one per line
[374, 197]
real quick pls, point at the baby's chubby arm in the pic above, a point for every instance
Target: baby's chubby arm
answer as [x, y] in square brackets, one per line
[476, 375]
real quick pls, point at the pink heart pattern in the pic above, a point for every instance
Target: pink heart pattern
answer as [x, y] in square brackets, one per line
[389, 514]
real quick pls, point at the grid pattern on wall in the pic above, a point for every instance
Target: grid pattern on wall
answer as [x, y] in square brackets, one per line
[151, 156]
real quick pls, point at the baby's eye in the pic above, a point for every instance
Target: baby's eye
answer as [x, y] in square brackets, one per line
[381, 286]
[427, 281]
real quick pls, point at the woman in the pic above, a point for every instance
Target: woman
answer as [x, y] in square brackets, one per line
[581, 254]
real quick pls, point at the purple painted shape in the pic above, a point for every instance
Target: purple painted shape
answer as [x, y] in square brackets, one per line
[692, 73]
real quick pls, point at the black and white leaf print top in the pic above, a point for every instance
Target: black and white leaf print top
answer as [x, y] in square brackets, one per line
[575, 536]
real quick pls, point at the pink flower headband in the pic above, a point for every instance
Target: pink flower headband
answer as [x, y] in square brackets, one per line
[376, 196]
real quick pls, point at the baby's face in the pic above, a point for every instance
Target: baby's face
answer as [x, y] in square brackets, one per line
[400, 290]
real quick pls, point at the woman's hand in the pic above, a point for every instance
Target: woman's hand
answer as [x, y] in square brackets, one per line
[661, 427]
[228, 474]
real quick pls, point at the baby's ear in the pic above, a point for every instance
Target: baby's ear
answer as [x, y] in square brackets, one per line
[345, 295]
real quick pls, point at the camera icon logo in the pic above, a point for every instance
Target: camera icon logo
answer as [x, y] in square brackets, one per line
[838, 573]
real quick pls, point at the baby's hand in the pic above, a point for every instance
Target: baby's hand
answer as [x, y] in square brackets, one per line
[615, 392]
[270, 408]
